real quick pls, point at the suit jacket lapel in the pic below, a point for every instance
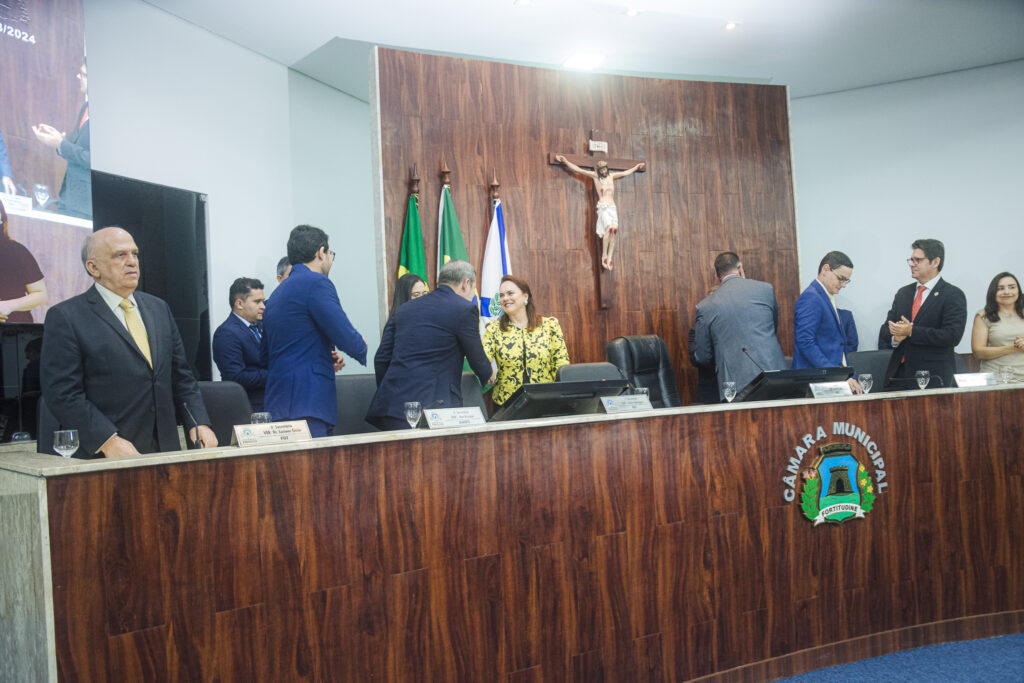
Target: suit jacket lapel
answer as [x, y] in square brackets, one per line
[100, 308]
[936, 292]
[150, 321]
[827, 303]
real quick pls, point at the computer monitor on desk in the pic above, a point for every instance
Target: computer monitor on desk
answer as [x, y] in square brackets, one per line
[557, 399]
[790, 383]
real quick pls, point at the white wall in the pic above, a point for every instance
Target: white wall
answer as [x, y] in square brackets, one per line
[174, 104]
[876, 168]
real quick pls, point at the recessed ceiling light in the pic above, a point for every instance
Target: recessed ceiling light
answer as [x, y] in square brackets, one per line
[632, 12]
[731, 26]
[585, 61]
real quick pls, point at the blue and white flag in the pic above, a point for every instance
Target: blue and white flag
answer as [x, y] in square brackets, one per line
[495, 266]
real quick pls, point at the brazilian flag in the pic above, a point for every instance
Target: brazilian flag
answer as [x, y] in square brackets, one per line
[449, 236]
[412, 259]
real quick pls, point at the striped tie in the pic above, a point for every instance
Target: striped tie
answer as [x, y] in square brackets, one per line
[136, 329]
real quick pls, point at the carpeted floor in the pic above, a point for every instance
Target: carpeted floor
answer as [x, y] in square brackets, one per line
[993, 660]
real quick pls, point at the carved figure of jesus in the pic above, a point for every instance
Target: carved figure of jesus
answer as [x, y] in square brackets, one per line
[607, 216]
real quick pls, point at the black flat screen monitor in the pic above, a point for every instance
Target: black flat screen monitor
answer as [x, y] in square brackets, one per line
[790, 383]
[556, 399]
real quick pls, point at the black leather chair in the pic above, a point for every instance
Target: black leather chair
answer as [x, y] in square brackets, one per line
[354, 395]
[874, 363]
[644, 361]
[472, 393]
[227, 404]
[580, 372]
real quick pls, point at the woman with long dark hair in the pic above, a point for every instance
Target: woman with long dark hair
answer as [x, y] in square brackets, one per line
[22, 287]
[526, 347]
[998, 336]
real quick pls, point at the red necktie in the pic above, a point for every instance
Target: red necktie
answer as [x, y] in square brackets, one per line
[917, 302]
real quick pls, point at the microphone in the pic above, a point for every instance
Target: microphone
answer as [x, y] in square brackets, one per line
[195, 424]
[751, 359]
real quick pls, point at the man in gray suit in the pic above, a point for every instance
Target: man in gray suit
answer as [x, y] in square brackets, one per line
[739, 318]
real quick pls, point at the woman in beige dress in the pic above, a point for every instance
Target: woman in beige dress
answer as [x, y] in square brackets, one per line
[998, 336]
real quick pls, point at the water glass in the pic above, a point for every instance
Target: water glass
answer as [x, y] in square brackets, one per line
[413, 409]
[641, 391]
[1005, 374]
[865, 382]
[260, 418]
[922, 377]
[42, 195]
[65, 442]
[729, 391]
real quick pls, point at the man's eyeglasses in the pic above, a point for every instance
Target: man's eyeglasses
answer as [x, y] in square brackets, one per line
[333, 254]
[843, 280]
[916, 261]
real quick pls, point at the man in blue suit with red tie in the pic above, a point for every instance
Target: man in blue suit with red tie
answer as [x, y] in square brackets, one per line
[302, 324]
[820, 338]
[236, 343]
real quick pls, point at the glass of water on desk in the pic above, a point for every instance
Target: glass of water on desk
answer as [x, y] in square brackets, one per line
[259, 418]
[65, 442]
[922, 377]
[866, 381]
[729, 391]
[413, 409]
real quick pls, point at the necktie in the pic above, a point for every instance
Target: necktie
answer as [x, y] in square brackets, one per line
[832, 298]
[131, 319]
[255, 331]
[917, 302]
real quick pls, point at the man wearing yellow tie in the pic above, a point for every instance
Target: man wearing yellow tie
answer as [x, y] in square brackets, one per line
[113, 365]
[818, 331]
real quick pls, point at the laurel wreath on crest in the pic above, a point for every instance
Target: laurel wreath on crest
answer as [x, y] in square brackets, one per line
[812, 486]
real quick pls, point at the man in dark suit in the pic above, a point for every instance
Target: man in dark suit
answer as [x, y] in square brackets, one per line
[818, 329]
[740, 314]
[236, 343]
[76, 189]
[926, 321]
[303, 323]
[420, 357]
[113, 365]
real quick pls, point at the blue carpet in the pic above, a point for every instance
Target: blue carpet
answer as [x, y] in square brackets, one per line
[991, 660]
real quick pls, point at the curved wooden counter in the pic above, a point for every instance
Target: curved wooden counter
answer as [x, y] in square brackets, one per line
[654, 547]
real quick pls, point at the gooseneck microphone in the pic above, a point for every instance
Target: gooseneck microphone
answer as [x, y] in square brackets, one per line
[751, 359]
[195, 424]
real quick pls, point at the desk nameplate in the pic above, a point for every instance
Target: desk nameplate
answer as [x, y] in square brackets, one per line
[272, 433]
[439, 418]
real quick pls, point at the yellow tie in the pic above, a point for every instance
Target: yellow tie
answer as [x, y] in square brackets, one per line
[136, 329]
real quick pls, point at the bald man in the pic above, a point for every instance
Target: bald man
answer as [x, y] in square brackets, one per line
[113, 365]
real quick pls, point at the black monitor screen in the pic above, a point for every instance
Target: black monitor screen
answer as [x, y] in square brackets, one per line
[790, 383]
[556, 399]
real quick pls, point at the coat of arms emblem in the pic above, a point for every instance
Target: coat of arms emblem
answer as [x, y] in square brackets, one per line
[837, 487]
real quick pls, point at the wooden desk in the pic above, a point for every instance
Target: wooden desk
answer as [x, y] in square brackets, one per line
[654, 547]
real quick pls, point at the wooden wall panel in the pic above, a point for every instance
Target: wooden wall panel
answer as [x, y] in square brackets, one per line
[653, 548]
[719, 178]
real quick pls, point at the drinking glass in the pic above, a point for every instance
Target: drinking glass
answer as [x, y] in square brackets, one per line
[865, 382]
[413, 409]
[922, 377]
[42, 194]
[641, 391]
[1005, 374]
[729, 391]
[259, 418]
[65, 442]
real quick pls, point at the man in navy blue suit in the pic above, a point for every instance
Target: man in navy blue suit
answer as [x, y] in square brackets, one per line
[236, 343]
[819, 334]
[303, 323]
[420, 357]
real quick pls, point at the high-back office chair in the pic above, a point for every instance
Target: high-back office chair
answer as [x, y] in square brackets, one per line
[874, 363]
[581, 372]
[227, 404]
[354, 395]
[472, 393]
[644, 361]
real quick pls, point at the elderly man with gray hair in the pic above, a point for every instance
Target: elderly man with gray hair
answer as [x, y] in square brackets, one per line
[420, 357]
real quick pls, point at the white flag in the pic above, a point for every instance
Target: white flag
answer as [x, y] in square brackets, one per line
[496, 265]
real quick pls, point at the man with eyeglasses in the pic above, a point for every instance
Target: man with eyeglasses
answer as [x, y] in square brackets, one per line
[302, 324]
[818, 330]
[926, 321]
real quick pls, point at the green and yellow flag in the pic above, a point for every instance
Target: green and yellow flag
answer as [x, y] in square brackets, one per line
[449, 236]
[412, 258]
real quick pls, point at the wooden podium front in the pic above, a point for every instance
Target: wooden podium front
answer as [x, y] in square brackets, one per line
[656, 547]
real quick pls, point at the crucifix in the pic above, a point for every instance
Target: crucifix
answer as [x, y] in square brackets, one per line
[604, 174]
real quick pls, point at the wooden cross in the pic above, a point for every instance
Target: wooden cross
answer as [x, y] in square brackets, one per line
[598, 151]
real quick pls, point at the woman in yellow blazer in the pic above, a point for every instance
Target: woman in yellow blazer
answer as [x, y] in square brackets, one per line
[526, 347]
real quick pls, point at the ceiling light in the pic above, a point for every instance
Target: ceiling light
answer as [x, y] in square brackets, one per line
[731, 26]
[585, 61]
[632, 12]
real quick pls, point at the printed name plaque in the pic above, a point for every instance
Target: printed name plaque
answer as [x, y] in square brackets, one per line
[439, 418]
[830, 389]
[975, 379]
[630, 403]
[271, 433]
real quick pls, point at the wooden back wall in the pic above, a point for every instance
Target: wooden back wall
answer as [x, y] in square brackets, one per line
[719, 178]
